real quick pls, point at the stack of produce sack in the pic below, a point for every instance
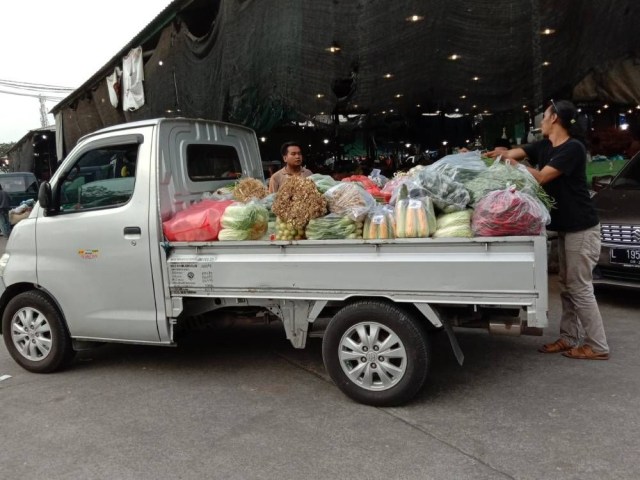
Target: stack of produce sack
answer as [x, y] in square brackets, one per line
[469, 198]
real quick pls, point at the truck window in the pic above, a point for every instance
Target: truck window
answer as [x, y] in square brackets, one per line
[212, 162]
[101, 178]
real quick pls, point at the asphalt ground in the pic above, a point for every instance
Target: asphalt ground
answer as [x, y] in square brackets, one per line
[241, 403]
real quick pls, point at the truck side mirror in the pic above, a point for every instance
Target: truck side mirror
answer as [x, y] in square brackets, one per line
[44, 196]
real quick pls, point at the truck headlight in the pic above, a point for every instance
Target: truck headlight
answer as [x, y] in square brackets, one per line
[3, 263]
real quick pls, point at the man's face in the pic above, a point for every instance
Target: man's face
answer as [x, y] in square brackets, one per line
[547, 120]
[293, 156]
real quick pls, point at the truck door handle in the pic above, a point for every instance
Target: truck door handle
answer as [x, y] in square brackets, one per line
[132, 231]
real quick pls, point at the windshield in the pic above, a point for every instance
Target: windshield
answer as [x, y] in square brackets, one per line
[19, 183]
[629, 176]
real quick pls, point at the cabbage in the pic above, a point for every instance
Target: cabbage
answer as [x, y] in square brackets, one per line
[230, 234]
[245, 216]
[454, 224]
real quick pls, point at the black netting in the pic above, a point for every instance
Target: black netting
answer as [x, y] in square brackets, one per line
[262, 62]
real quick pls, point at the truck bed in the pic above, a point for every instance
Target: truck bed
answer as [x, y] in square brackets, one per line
[496, 271]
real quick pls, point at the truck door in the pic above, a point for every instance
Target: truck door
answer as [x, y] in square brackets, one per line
[93, 249]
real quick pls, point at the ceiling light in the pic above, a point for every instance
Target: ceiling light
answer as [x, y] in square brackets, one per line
[263, 139]
[606, 105]
[548, 31]
[455, 56]
[630, 111]
[160, 63]
[388, 75]
[474, 106]
[414, 18]
[637, 107]
[320, 95]
[407, 145]
[463, 97]
[546, 64]
[325, 141]
[444, 142]
[599, 111]
[398, 95]
[475, 79]
[418, 105]
[334, 48]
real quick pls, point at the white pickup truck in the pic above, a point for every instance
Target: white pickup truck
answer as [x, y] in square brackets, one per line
[91, 265]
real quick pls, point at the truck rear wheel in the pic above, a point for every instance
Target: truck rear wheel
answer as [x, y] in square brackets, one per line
[376, 353]
[35, 334]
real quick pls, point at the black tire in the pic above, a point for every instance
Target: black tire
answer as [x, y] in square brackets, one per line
[364, 373]
[35, 333]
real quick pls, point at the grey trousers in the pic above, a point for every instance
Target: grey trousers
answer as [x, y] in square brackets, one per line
[581, 322]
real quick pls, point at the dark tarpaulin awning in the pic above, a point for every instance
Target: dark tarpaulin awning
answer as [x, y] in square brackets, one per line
[259, 62]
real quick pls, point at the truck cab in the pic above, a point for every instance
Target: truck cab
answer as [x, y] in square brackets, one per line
[20, 186]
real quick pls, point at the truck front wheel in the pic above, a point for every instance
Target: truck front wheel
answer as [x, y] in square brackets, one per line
[376, 353]
[35, 334]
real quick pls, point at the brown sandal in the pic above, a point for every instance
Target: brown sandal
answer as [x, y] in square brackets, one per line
[585, 352]
[560, 345]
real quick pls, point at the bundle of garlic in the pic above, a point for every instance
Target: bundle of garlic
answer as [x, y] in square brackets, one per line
[248, 189]
[298, 201]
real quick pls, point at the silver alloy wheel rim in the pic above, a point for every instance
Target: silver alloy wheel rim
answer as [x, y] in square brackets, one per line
[31, 334]
[372, 356]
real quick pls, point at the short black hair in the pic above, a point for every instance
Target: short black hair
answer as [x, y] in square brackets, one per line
[285, 147]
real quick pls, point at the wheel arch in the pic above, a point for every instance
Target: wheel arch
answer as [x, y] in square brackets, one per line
[18, 288]
[434, 323]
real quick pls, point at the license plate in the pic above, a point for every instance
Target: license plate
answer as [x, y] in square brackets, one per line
[625, 256]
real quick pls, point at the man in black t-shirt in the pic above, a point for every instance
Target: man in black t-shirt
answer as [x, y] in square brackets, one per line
[561, 159]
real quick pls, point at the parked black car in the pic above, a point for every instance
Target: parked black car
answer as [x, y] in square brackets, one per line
[618, 205]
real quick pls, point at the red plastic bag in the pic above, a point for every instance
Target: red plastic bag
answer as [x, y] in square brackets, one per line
[198, 223]
[509, 212]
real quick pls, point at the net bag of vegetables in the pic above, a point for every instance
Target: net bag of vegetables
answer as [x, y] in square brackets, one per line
[244, 221]
[380, 223]
[447, 194]
[333, 226]
[349, 199]
[509, 212]
[415, 217]
[501, 175]
[460, 167]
